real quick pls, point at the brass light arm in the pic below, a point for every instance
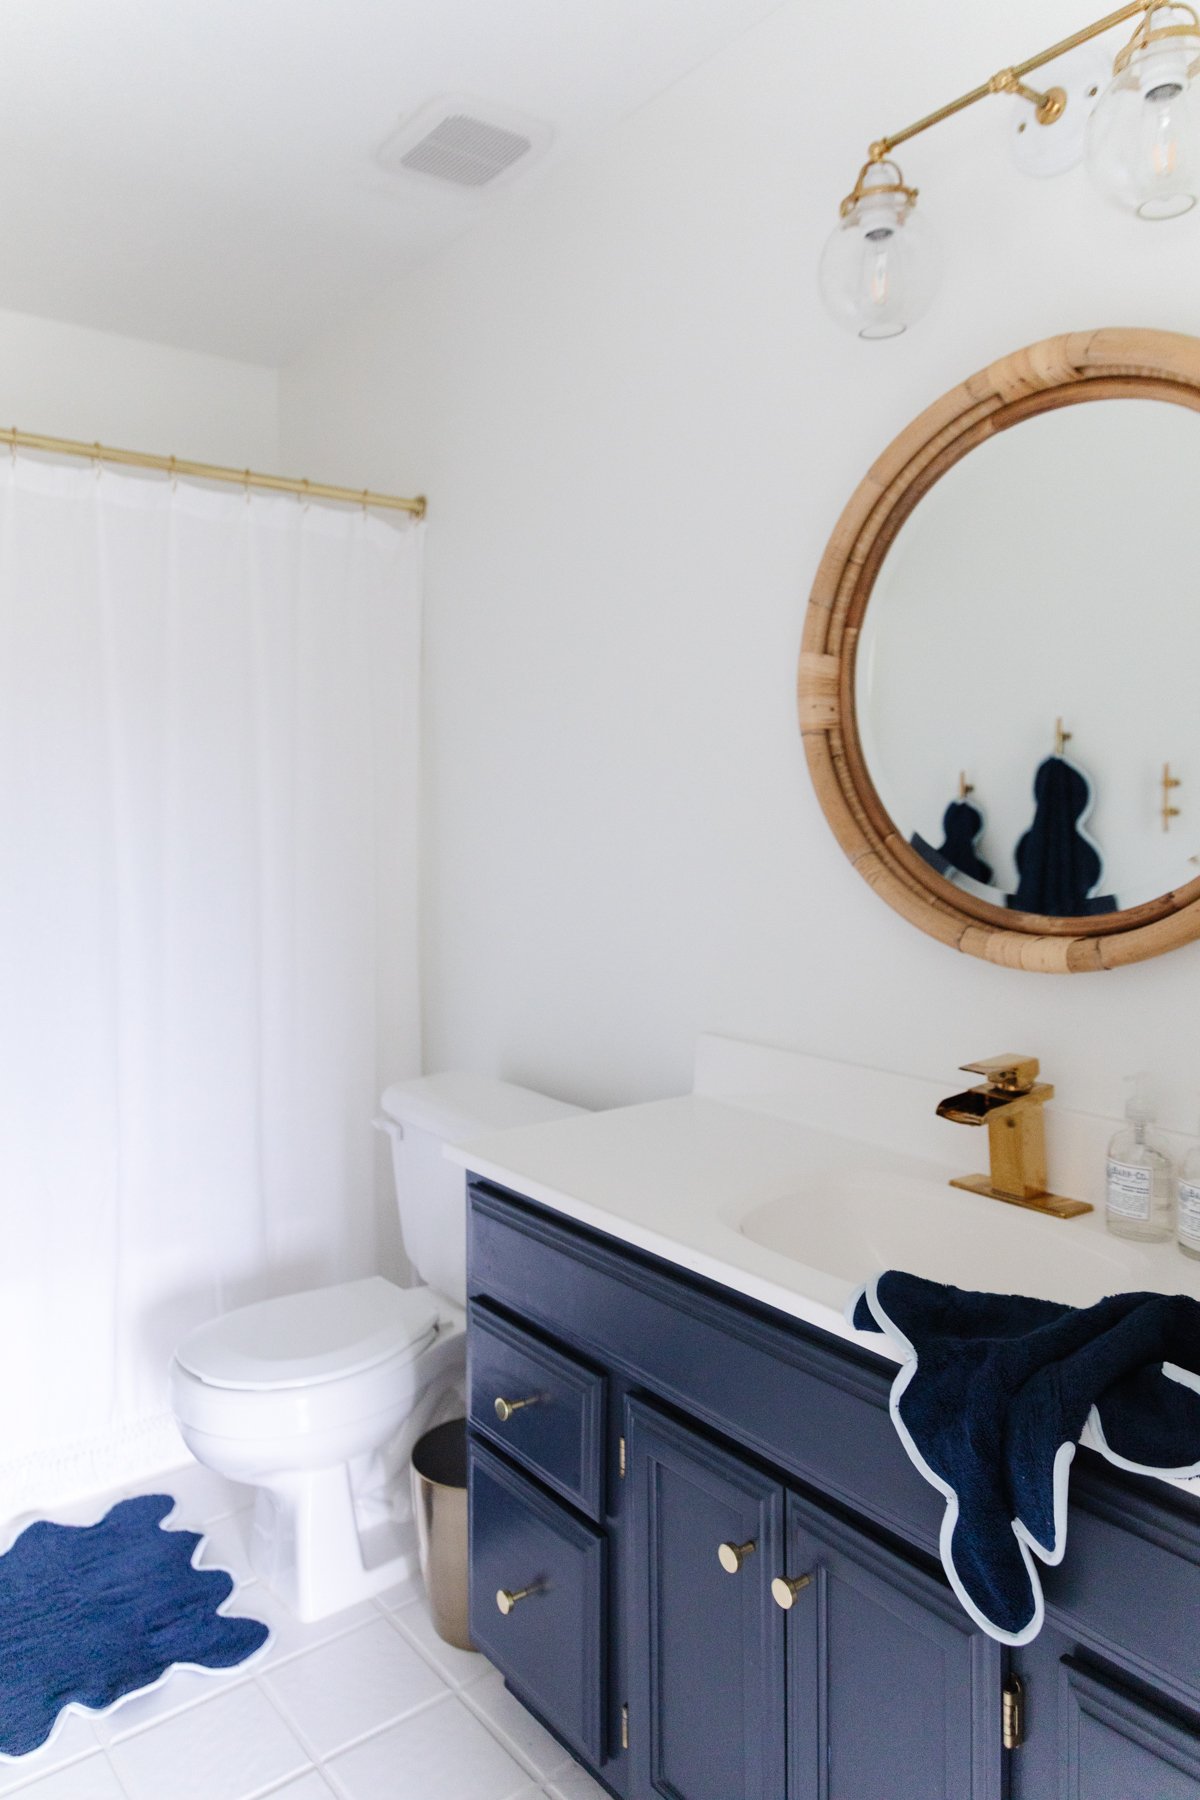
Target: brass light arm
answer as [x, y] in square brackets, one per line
[1048, 106]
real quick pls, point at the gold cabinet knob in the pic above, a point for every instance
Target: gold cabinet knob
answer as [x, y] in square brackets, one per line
[783, 1591]
[506, 1598]
[506, 1408]
[732, 1556]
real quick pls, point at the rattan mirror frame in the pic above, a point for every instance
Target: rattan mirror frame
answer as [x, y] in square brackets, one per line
[1060, 371]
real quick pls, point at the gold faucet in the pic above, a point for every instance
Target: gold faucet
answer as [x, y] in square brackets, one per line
[1010, 1102]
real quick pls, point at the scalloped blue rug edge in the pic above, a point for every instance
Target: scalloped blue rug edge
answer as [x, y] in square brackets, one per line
[93, 1614]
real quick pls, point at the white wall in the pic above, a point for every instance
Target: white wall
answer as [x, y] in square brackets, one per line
[637, 429]
[67, 381]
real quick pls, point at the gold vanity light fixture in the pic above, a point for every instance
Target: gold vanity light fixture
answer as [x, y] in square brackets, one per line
[879, 269]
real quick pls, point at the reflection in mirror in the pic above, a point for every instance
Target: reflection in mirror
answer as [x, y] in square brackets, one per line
[962, 828]
[1048, 576]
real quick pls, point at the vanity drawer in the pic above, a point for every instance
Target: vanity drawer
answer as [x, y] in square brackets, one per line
[546, 1409]
[548, 1566]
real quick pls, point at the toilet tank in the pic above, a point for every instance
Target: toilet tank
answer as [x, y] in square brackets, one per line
[421, 1117]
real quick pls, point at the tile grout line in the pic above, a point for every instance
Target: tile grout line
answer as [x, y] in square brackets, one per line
[536, 1775]
[70, 1762]
[429, 1656]
[114, 1772]
[314, 1760]
[318, 1761]
[225, 1682]
[462, 1691]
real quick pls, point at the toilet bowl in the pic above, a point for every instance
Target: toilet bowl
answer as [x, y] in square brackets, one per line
[297, 1398]
[316, 1399]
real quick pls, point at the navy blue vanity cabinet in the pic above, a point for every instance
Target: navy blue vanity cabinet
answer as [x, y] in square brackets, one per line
[537, 1598]
[1093, 1732]
[892, 1692]
[776, 1650]
[1115, 1746]
[724, 1567]
[706, 1643]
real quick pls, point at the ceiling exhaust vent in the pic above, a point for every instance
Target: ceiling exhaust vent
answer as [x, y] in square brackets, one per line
[465, 143]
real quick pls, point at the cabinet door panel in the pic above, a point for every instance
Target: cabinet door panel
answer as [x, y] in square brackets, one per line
[1114, 1747]
[550, 1643]
[706, 1657]
[891, 1690]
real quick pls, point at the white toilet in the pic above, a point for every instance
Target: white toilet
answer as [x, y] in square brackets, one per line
[316, 1399]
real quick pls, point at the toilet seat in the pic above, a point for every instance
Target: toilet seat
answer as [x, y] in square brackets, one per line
[304, 1340]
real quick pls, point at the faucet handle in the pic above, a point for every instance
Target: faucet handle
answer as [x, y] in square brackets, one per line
[1012, 1074]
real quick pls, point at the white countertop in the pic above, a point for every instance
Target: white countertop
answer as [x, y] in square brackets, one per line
[673, 1177]
[743, 1185]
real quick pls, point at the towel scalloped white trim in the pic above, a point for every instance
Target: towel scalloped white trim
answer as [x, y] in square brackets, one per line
[1051, 1554]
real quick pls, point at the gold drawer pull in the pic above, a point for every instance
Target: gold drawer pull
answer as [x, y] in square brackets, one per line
[506, 1408]
[783, 1591]
[506, 1598]
[732, 1556]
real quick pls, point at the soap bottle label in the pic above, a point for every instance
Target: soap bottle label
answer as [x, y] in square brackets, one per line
[1189, 1211]
[1129, 1191]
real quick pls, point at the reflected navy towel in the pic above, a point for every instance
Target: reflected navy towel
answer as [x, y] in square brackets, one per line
[89, 1614]
[993, 1393]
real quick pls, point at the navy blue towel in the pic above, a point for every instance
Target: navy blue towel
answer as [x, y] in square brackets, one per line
[1057, 863]
[91, 1613]
[992, 1395]
[962, 828]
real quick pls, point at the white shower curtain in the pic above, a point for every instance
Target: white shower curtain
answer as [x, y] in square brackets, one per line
[208, 743]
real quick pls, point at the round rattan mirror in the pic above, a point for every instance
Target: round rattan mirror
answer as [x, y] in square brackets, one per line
[1002, 648]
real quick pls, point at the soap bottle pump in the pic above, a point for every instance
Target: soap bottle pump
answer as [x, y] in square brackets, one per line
[1139, 1196]
[1188, 1193]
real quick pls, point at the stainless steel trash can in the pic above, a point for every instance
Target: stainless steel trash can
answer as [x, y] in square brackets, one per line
[439, 1489]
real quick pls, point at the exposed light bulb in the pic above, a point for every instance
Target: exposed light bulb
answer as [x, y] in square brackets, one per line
[879, 269]
[1143, 139]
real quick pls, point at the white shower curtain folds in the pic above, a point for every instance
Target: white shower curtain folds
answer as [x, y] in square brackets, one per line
[208, 746]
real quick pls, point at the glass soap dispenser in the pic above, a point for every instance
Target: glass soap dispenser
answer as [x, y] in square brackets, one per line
[1139, 1192]
[1188, 1192]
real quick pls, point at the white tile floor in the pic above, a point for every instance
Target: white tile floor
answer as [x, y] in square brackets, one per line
[368, 1705]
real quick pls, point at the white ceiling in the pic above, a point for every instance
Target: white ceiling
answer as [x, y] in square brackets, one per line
[200, 173]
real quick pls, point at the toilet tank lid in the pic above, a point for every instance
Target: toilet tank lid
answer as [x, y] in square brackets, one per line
[301, 1339]
[456, 1107]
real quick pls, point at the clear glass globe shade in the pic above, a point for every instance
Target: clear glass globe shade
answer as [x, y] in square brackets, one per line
[1143, 139]
[879, 270]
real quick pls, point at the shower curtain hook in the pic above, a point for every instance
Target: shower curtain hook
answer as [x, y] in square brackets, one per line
[246, 481]
[12, 447]
[305, 498]
[97, 464]
[174, 477]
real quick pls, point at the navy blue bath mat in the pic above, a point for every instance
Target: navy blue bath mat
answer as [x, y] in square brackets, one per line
[90, 1614]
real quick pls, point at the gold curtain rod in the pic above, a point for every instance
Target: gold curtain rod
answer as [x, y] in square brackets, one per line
[244, 478]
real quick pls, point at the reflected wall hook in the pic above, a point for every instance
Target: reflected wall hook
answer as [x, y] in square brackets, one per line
[965, 787]
[1169, 781]
[1061, 738]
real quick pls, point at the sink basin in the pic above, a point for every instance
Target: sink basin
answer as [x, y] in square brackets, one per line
[852, 1223]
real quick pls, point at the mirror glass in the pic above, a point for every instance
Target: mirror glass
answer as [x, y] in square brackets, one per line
[1050, 575]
